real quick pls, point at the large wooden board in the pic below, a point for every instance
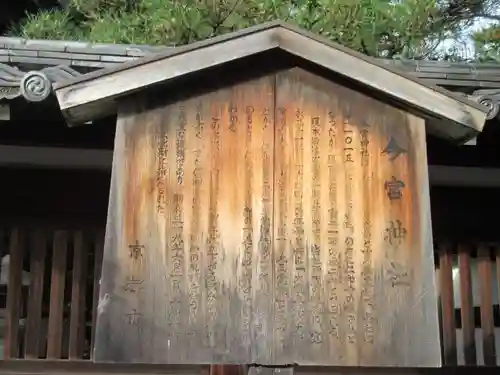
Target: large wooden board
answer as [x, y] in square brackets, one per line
[187, 262]
[283, 220]
[354, 267]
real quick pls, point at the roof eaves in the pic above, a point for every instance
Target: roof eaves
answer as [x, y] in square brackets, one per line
[170, 52]
[463, 75]
[91, 94]
[94, 56]
[71, 53]
[34, 86]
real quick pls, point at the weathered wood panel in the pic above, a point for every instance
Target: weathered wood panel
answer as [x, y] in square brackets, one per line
[33, 346]
[78, 294]
[14, 294]
[354, 276]
[283, 220]
[187, 268]
[57, 283]
[466, 305]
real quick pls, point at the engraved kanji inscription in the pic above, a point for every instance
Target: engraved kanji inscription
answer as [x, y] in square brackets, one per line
[393, 149]
[133, 317]
[393, 188]
[395, 233]
[136, 250]
[132, 284]
[398, 275]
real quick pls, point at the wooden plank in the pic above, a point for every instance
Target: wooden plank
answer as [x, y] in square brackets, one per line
[78, 290]
[497, 261]
[34, 319]
[448, 327]
[34, 367]
[187, 262]
[13, 306]
[191, 236]
[215, 54]
[57, 286]
[486, 293]
[467, 306]
[98, 252]
[353, 226]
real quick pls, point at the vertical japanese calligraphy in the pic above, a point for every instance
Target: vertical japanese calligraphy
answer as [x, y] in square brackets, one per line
[316, 294]
[341, 185]
[282, 231]
[161, 172]
[180, 145]
[247, 262]
[263, 305]
[279, 220]
[367, 305]
[334, 267]
[212, 244]
[349, 282]
[195, 245]
[299, 249]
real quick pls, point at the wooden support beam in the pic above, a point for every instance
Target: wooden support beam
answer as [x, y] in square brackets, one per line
[67, 158]
[47, 367]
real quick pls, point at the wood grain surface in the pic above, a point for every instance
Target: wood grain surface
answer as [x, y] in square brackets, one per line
[282, 220]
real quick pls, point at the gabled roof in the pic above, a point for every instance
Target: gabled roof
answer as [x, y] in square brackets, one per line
[36, 54]
[92, 95]
[480, 82]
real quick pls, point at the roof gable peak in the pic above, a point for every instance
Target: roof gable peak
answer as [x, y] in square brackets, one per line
[89, 95]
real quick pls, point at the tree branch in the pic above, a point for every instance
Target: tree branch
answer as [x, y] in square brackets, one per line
[492, 17]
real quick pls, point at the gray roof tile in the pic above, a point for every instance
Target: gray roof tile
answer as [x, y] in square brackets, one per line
[87, 55]
[11, 78]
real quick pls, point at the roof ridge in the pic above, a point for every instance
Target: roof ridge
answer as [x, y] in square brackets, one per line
[46, 44]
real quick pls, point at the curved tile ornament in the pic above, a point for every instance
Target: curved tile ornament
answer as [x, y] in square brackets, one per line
[490, 100]
[10, 79]
[34, 86]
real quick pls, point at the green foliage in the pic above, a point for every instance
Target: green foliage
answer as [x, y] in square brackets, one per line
[391, 28]
[487, 43]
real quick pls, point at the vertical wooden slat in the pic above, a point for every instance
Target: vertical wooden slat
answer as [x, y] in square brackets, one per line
[99, 248]
[58, 280]
[447, 305]
[486, 292]
[38, 251]
[497, 259]
[11, 344]
[466, 305]
[77, 320]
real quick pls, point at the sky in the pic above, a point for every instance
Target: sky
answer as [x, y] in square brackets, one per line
[468, 45]
[467, 48]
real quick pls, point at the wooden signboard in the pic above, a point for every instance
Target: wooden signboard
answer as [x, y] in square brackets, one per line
[278, 221]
